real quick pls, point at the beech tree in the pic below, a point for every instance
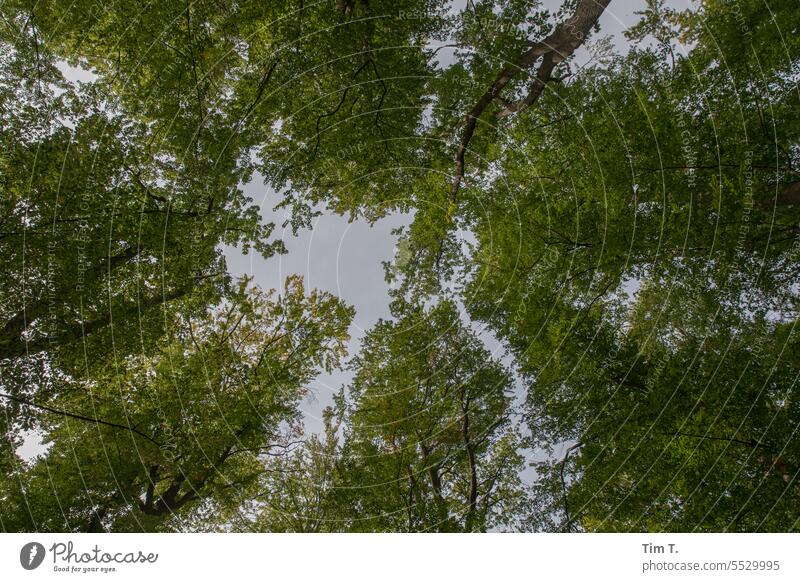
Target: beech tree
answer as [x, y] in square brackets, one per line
[151, 438]
[429, 444]
[639, 255]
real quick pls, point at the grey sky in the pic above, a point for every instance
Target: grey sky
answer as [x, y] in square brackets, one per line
[342, 257]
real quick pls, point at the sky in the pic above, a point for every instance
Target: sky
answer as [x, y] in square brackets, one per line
[342, 257]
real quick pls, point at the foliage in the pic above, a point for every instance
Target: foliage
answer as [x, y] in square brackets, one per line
[624, 222]
[138, 445]
[429, 444]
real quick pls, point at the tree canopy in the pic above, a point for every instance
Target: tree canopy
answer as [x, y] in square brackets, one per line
[621, 216]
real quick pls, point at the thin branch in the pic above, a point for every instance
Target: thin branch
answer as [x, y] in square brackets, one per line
[81, 417]
[335, 110]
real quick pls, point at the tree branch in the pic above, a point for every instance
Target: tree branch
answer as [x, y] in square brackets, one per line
[555, 48]
[80, 417]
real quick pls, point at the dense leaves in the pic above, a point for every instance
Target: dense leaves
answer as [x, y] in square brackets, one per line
[148, 437]
[622, 218]
[429, 445]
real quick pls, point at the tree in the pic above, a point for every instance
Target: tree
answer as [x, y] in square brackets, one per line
[429, 444]
[153, 438]
[314, 95]
[102, 224]
[638, 247]
[298, 491]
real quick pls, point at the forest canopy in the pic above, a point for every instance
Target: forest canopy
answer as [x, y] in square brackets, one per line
[619, 210]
